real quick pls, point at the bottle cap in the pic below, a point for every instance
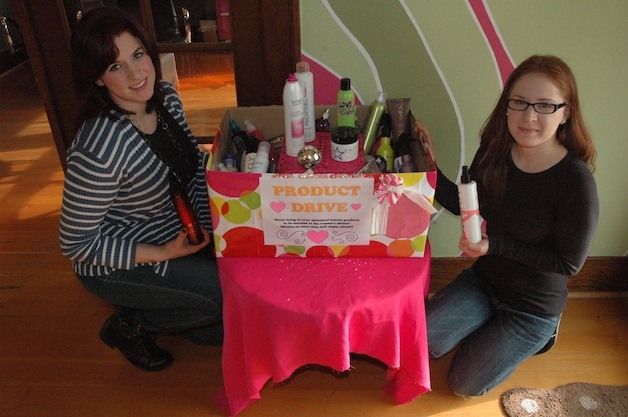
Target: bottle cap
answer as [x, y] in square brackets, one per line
[381, 97]
[263, 148]
[303, 66]
[345, 84]
[292, 78]
[229, 160]
[234, 125]
[249, 126]
[465, 178]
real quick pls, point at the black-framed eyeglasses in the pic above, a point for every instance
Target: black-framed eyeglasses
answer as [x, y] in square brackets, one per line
[543, 108]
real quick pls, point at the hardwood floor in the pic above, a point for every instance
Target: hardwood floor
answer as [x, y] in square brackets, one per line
[52, 363]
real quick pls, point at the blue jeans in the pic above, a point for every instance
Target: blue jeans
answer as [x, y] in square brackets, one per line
[187, 300]
[493, 338]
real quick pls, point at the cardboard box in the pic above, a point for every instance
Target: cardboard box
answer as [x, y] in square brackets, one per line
[253, 213]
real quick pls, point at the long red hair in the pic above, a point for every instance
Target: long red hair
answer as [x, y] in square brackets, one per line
[496, 140]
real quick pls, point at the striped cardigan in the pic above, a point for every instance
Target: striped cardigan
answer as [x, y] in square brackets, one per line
[117, 194]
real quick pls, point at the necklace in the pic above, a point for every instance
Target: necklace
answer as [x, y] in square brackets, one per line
[138, 120]
[177, 153]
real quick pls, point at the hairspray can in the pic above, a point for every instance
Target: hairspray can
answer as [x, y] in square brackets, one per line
[293, 115]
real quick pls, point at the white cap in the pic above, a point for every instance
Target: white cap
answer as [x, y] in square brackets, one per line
[303, 66]
[249, 126]
[263, 148]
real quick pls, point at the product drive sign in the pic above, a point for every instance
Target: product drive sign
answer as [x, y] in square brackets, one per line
[315, 211]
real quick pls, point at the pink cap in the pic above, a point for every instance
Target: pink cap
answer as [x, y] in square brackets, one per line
[292, 78]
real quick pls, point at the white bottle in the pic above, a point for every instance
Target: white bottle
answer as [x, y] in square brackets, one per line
[247, 161]
[260, 163]
[306, 80]
[293, 116]
[469, 207]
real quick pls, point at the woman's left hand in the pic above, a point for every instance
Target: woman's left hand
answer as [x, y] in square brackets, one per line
[474, 250]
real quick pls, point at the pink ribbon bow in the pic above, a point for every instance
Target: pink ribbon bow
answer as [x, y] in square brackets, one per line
[390, 189]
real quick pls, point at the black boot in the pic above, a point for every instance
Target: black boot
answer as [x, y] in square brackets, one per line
[135, 342]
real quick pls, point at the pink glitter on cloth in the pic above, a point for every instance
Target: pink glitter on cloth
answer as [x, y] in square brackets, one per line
[289, 164]
[283, 313]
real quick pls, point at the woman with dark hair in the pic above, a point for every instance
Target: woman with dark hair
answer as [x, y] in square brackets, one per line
[539, 200]
[119, 224]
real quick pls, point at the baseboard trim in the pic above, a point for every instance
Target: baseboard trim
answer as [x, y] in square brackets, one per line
[604, 274]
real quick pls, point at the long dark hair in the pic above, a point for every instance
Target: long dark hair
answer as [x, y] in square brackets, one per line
[496, 139]
[94, 50]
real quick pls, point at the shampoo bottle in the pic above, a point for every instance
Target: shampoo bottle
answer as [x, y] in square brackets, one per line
[306, 80]
[371, 125]
[293, 116]
[346, 104]
[469, 207]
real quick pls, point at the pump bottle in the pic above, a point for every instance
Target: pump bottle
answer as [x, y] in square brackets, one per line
[469, 207]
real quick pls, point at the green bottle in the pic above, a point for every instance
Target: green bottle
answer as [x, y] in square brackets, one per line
[346, 104]
[373, 117]
[386, 152]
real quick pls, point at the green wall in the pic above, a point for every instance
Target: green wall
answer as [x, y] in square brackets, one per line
[435, 53]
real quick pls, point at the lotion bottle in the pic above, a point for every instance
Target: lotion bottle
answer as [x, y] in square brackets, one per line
[260, 163]
[469, 207]
[371, 125]
[293, 116]
[346, 104]
[306, 80]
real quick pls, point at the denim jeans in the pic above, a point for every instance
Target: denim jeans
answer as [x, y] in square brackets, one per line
[188, 299]
[493, 338]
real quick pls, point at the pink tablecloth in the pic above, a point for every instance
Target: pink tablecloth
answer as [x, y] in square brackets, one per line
[283, 313]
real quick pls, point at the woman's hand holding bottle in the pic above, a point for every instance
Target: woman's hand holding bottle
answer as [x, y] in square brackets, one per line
[474, 250]
[178, 247]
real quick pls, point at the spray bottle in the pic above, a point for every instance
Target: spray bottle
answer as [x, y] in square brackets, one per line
[293, 116]
[306, 80]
